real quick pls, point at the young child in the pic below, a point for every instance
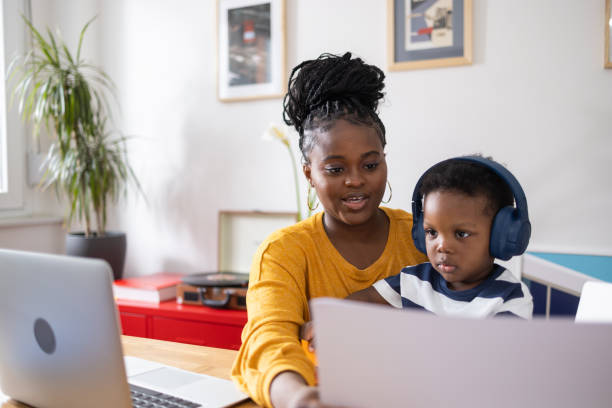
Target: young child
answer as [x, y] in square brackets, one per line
[468, 219]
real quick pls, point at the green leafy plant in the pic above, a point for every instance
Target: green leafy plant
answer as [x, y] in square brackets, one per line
[85, 161]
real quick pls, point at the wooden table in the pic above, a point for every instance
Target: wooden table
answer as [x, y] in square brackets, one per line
[200, 359]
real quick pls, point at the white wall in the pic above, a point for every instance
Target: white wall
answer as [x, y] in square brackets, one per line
[40, 235]
[536, 98]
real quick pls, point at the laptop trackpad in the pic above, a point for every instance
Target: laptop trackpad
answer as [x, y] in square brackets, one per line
[165, 377]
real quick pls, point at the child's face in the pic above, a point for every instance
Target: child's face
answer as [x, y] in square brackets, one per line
[457, 232]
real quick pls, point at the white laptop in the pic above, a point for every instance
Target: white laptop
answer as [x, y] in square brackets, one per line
[60, 345]
[595, 303]
[376, 356]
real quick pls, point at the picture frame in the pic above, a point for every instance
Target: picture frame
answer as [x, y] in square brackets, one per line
[422, 34]
[241, 233]
[251, 49]
[608, 37]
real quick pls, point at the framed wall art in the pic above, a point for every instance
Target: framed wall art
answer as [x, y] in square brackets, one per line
[608, 38]
[428, 33]
[250, 49]
[241, 232]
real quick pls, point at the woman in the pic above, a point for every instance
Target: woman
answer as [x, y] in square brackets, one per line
[332, 102]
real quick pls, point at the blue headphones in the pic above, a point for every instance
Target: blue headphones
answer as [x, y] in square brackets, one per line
[511, 227]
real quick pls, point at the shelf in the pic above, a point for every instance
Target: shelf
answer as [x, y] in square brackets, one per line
[189, 324]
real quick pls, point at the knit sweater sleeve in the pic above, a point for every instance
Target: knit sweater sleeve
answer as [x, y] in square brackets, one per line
[291, 267]
[277, 306]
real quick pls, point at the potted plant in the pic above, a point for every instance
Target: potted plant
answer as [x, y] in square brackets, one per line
[86, 161]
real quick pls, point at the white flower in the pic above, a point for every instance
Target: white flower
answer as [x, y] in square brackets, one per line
[278, 132]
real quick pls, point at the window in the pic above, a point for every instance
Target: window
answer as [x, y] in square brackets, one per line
[12, 41]
[3, 157]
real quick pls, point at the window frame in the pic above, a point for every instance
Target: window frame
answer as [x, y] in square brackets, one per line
[12, 128]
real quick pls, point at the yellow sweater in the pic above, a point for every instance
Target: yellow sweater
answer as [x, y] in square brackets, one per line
[292, 266]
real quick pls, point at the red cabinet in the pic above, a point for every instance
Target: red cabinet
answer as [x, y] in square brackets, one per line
[168, 320]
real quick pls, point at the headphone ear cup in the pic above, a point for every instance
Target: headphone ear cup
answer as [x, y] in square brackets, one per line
[418, 234]
[499, 234]
[509, 235]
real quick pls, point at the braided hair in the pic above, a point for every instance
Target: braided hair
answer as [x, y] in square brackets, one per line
[330, 88]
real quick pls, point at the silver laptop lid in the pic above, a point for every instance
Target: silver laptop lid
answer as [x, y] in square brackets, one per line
[375, 356]
[59, 332]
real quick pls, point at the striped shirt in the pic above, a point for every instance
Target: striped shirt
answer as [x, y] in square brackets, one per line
[421, 286]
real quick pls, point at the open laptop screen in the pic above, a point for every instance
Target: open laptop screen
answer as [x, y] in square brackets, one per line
[59, 334]
[373, 355]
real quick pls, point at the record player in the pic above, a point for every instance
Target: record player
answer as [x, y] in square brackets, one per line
[221, 290]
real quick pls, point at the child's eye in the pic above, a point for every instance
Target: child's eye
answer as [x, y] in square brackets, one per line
[462, 234]
[431, 233]
[371, 166]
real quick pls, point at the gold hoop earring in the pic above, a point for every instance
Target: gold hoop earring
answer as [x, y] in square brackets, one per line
[310, 198]
[390, 193]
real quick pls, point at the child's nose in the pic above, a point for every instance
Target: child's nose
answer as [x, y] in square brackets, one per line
[443, 244]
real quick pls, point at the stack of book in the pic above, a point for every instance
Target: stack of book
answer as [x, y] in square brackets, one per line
[148, 288]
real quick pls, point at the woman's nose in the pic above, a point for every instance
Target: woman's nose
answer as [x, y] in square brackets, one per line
[353, 179]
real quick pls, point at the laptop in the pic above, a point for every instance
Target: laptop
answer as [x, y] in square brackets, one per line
[60, 343]
[595, 303]
[376, 356]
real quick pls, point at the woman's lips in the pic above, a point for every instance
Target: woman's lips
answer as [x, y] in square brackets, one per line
[355, 202]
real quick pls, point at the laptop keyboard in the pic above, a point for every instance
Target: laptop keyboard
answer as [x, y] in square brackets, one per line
[146, 398]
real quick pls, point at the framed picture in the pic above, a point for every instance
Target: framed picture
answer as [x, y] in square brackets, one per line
[250, 49]
[428, 33]
[608, 39]
[241, 232]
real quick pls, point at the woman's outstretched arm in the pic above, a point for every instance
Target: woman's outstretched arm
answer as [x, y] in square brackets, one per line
[369, 295]
[277, 305]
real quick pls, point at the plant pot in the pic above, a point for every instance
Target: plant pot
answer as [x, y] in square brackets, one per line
[110, 247]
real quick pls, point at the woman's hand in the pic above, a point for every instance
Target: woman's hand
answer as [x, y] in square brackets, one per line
[307, 334]
[306, 397]
[289, 390]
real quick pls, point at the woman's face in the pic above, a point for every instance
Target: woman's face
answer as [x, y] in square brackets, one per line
[348, 171]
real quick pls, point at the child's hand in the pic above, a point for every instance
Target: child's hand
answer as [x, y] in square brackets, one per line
[307, 334]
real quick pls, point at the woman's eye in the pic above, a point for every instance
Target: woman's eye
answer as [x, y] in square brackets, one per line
[462, 234]
[334, 170]
[431, 233]
[371, 166]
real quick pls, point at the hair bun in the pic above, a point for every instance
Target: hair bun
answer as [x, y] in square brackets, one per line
[331, 78]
